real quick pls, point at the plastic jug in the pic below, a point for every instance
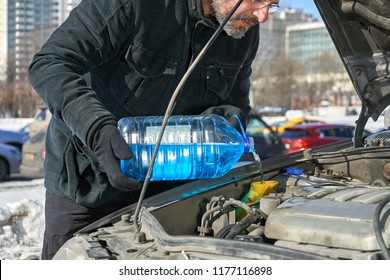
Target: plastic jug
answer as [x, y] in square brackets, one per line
[192, 147]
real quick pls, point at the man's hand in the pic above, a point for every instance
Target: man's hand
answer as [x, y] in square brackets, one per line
[228, 111]
[110, 148]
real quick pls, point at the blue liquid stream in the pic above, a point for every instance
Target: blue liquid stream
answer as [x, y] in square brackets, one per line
[182, 162]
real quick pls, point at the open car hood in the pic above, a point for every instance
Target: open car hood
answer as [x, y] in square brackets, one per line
[360, 30]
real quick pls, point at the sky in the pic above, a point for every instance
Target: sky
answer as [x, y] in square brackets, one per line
[307, 6]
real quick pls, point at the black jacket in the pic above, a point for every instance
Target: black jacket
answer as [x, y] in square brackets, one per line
[117, 58]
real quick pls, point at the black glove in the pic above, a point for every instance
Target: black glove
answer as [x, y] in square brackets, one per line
[110, 147]
[228, 111]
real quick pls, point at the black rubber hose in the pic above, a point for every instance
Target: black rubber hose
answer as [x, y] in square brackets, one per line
[243, 224]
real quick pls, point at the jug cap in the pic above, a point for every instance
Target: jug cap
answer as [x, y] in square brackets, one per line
[249, 144]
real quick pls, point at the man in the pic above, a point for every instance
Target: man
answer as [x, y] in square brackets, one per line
[117, 58]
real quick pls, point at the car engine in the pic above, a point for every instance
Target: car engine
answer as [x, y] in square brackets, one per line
[323, 205]
[338, 207]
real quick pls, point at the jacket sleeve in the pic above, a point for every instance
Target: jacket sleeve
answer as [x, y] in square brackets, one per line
[95, 32]
[239, 96]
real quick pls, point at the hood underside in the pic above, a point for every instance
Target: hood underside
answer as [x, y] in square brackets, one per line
[360, 30]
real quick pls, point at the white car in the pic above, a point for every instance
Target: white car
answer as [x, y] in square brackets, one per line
[34, 150]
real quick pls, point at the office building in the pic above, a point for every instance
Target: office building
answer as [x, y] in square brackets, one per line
[297, 64]
[307, 42]
[273, 34]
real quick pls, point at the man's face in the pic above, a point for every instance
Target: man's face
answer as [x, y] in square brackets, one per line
[244, 18]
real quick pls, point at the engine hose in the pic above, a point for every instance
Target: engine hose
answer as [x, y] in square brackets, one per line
[244, 223]
[204, 226]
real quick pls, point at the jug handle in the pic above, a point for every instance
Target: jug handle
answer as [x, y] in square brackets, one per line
[242, 128]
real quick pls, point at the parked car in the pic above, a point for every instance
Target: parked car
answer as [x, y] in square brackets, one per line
[34, 150]
[41, 121]
[280, 126]
[33, 156]
[14, 138]
[327, 202]
[9, 160]
[267, 143]
[305, 136]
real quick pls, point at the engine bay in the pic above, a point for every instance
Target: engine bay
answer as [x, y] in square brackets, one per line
[327, 205]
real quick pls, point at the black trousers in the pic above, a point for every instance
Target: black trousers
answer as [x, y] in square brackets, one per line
[63, 218]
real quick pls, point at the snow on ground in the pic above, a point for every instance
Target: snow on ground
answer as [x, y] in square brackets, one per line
[14, 124]
[21, 211]
[21, 219]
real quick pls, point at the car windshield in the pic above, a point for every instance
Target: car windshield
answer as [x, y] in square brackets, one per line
[255, 126]
[281, 123]
[40, 115]
[343, 132]
[294, 134]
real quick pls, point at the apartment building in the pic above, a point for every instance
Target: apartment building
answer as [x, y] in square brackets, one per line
[24, 26]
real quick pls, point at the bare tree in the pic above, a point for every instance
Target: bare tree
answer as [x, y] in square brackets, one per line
[285, 82]
[274, 84]
[17, 97]
[7, 92]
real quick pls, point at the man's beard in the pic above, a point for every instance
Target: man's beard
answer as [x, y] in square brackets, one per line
[230, 29]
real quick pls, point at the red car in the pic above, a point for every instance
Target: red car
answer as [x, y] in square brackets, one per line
[302, 137]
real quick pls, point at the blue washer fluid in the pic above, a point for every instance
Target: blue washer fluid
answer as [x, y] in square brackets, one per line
[192, 147]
